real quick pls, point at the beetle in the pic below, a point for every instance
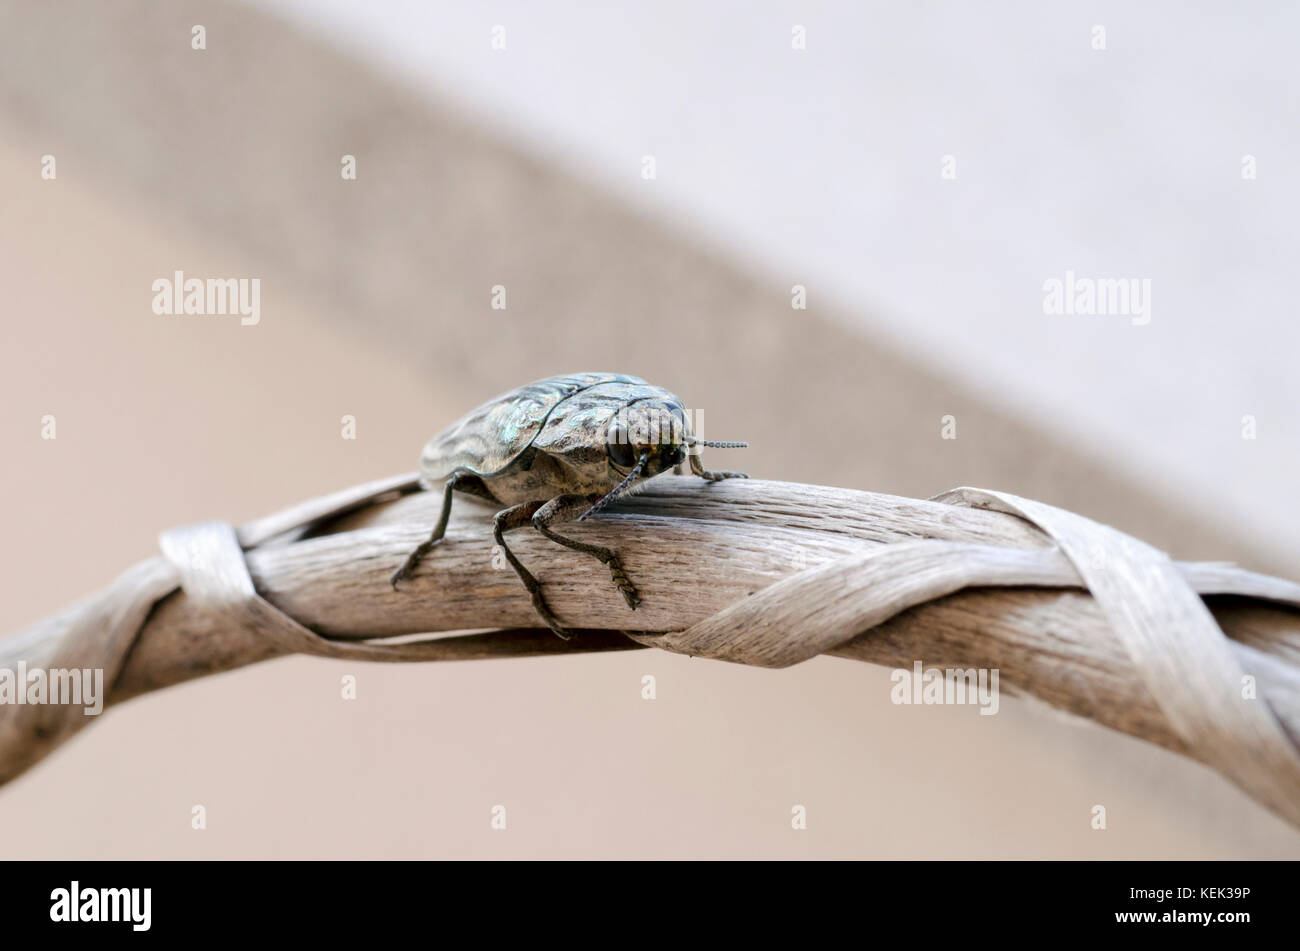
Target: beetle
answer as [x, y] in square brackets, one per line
[559, 449]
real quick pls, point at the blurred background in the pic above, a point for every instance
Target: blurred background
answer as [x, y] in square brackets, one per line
[920, 170]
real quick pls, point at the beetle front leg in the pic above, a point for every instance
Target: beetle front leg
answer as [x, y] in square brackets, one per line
[698, 468]
[517, 517]
[565, 508]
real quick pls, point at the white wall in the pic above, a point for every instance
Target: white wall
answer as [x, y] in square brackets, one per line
[822, 167]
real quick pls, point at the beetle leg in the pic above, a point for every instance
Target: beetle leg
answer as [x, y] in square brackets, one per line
[518, 516]
[564, 508]
[698, 468]
[461, 481]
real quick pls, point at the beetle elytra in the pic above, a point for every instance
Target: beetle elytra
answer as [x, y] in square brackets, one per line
[557, 450]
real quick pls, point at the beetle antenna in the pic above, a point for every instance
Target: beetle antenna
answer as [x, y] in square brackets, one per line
[618, 489]
[692, 441]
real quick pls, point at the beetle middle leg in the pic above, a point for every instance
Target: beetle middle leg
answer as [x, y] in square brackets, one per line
[564, 508]
[518, 516]
[459, 482]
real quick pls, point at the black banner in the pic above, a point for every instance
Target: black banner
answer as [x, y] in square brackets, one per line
[332, 900]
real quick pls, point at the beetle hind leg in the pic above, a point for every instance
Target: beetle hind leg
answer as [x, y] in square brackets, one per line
[462, 482]
[567, 507]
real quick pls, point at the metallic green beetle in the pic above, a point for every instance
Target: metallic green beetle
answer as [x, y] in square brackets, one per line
[557, 449]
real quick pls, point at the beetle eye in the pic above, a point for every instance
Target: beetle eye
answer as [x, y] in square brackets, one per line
[619, 448]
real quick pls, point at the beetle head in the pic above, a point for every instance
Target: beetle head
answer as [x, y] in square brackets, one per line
[645, 438]
[653, 429]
